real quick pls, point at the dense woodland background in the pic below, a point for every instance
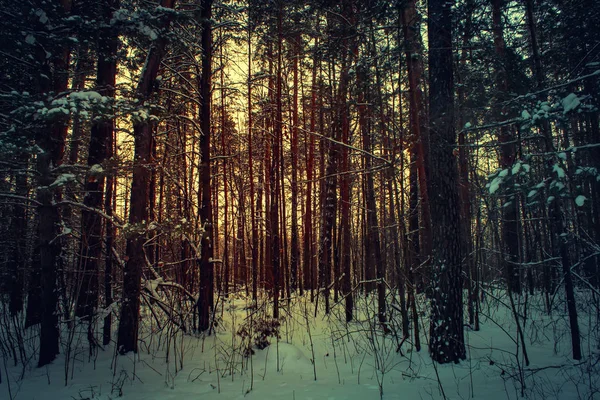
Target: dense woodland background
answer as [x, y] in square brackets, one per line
[333, 149]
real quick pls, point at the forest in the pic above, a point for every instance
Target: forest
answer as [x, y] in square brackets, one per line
[311, 199]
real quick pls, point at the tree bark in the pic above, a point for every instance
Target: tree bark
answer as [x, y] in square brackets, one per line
[294, 245]
[411, 24]
[510, 227]
[139, 201]
[99, 150]
[49, 242]
[206, 295]
[446, 321]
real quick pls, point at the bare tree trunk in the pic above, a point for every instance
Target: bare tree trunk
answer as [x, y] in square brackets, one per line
[345, 195]
[99, 150]
[308, 258]
[253, 214]
[204, 262]
[224, 150]
[510, 228]
[411, 24]
[17, 260]
[139, 201]
[374, 256]
[446, 321]
[294, 246]
[463, 172]
[109, 206]
[49, 242]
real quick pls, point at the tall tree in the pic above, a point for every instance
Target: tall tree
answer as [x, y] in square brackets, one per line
[510, 224]
[49, 242]
[99, 150]
[420, 221]
[139, 200]
[446, 322]
[294, 245]
[205, 261]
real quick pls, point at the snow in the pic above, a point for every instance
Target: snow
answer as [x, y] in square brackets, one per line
[146, 30]
[495, 184]
[62, 180]
[559, 171]
[88, 95]
[580, 200]
[75, 102]
[96, 169]
[516, 168]
[351, 361]
[570, 102]
[43, 16]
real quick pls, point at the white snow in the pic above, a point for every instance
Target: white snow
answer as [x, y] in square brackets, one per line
[516, 168]
[494, 185]
[351, 361]
[580, 200]
[87, 95]
[96, 169]
[62, 180]
[559, 171]
[570, 102]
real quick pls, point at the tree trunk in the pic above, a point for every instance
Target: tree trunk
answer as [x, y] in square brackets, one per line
[294, 246]
[446, 328]
[18, 255]
[420, 141]
[99, 150]
[510, 227]
[206, 296]
[308, 259]
[49, 228]
[253, 215]
[139, 201]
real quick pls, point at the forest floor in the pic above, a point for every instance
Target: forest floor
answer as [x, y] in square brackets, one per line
[349, 361]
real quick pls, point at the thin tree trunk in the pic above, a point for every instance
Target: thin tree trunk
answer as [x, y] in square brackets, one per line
[510, 228]
[204, 261]
[294, 245]
[308, 259]
[253, 214]
[18, 254]
[345, 196]
[224, 150]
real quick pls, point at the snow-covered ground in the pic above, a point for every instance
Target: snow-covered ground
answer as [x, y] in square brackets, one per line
[351, 361]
